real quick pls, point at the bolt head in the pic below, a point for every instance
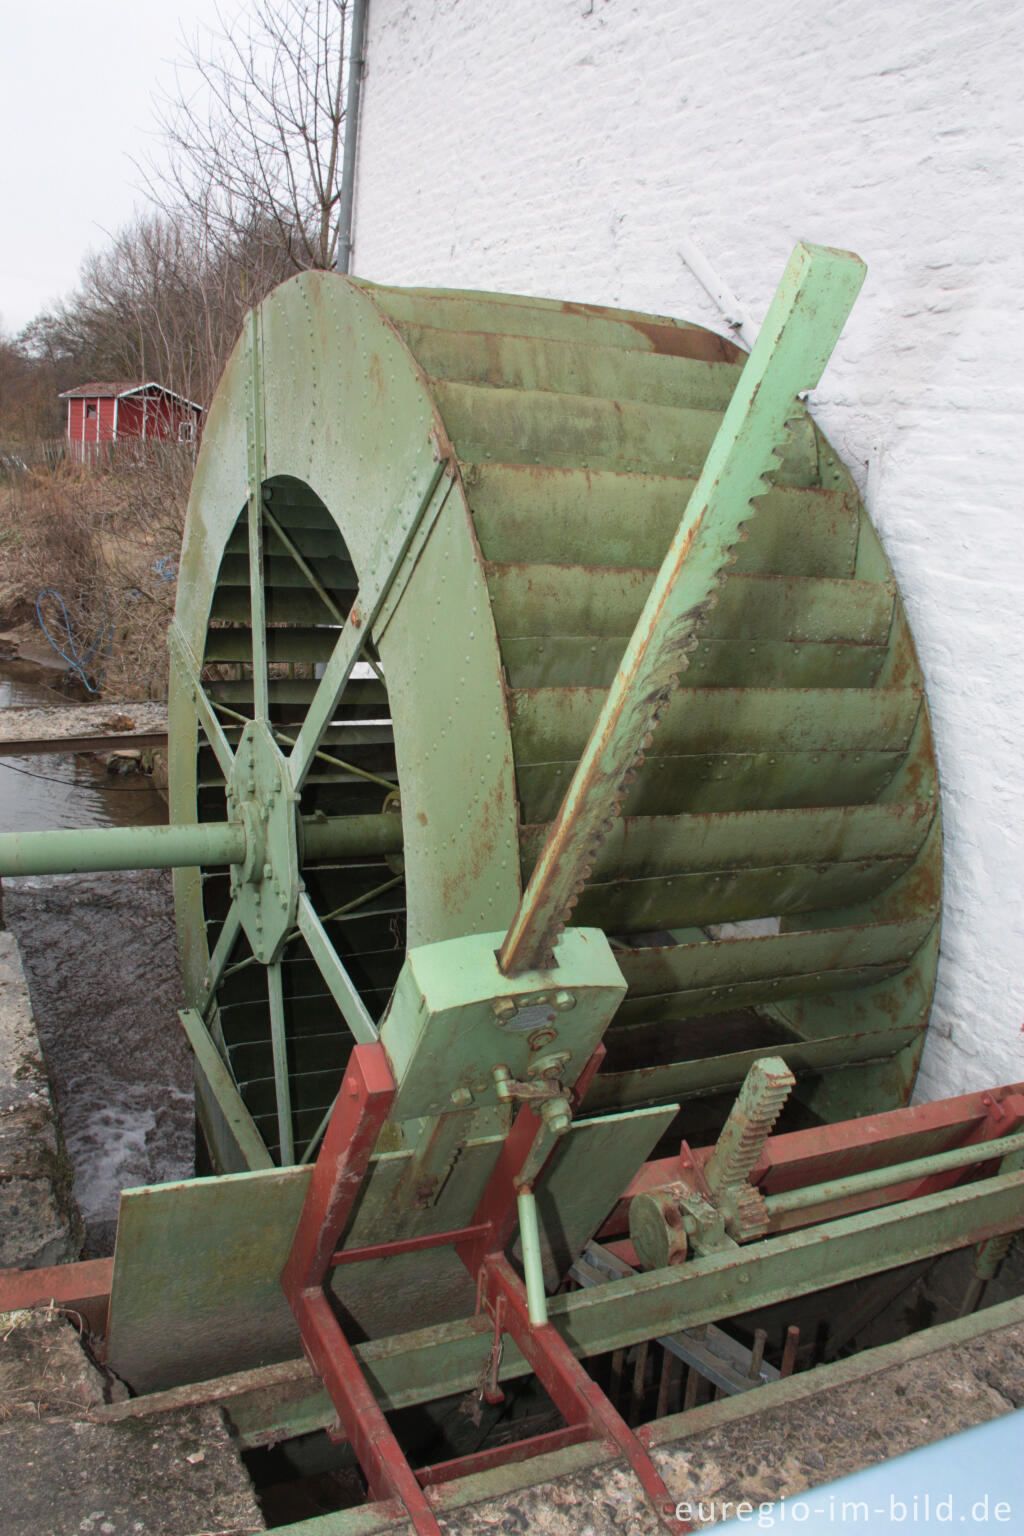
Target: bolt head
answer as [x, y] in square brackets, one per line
[540, 1038]
[461, 1097]
[563, 1001]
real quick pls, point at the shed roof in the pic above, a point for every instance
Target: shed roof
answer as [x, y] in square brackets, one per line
[117, 391]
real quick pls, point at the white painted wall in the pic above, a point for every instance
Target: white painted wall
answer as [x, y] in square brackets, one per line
[566, 147]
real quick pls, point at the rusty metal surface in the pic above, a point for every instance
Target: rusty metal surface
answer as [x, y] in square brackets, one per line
[796, 341]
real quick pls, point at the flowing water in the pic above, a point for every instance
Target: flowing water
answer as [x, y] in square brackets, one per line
[102, 965]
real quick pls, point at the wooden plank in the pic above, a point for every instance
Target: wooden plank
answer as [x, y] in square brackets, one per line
[360, 691]
[674, 901]
[286, 605]
[682, 1079]
[297, 642]
[502, 314]
[106, 727]
[699, 1002]
[338, 574]
[314, 543]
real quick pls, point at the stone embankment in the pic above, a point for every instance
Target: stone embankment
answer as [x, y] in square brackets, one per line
[39, 1222]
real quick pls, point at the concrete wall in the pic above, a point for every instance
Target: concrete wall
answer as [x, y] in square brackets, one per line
[568, 147]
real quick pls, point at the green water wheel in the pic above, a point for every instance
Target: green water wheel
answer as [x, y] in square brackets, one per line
[483, 487]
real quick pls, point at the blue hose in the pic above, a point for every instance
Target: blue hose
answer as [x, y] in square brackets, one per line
[77, 663]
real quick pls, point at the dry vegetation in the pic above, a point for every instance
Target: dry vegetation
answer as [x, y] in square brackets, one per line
[245, 191]
[105, 537]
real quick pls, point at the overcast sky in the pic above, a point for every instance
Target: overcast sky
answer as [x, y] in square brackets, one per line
[77, 83]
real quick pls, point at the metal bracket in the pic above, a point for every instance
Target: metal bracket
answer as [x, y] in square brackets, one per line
[720, 1208]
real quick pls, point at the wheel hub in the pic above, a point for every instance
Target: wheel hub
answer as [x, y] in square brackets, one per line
[266, 885]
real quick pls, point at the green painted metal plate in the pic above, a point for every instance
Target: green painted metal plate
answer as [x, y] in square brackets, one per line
[196, 1290]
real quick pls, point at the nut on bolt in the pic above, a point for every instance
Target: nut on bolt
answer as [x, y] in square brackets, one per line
[540, 1038]
[461, 1097]
[503, 1009]
[548, 1066]
[556, 1116]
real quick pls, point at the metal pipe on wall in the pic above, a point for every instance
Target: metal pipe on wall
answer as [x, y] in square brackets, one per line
[346, 195]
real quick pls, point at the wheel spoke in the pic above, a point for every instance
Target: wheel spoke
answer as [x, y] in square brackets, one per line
[317, 1136]
[219, 959]
[279, 1045]
[304, 566]
[325, 701]
[415, 514]
[256, 453]
[181, 653]
[334, 974]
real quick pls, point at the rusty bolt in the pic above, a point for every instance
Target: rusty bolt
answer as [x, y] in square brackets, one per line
[461, 1097]
[563, 1001]
[548, 1066]
[540, 1038]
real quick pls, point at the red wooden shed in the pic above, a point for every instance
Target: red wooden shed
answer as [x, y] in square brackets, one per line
[108, 413]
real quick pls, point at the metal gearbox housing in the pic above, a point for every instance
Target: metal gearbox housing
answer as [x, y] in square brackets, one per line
[455, 1021]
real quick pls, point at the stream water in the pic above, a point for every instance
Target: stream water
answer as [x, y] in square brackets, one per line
[102, 965]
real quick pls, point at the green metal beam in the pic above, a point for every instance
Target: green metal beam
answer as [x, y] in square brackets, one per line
[891, 1175]
[802, 327]
[222, 1084]
[256, 463]
[436, 1362]
[71, 852]
[208, 844]
[724, 1285]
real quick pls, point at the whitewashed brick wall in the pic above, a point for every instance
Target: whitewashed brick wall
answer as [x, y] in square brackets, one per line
[566, 147]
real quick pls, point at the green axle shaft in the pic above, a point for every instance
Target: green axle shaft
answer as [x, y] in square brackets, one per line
[894, 1173]
[210, 844]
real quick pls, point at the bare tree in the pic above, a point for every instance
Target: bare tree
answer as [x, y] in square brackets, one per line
[164, 300]
[253, 136]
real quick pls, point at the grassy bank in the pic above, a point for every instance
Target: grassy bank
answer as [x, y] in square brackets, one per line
[105, 538]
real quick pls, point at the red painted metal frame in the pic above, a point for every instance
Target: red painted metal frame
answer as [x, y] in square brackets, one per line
[367, 1093]
[574, 1393]
[497, 1210]
[83, 1288]
[789, 1161]
[446, 1472]
[366, 1096]
[800, 1158]
[407, 1245]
